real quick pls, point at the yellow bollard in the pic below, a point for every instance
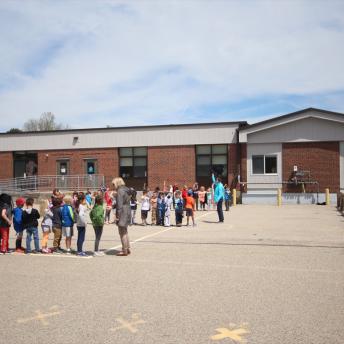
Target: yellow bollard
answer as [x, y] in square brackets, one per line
[279, 197]
[327, 196]
[234, 197]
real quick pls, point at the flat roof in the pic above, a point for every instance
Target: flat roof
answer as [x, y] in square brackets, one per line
[239, 123]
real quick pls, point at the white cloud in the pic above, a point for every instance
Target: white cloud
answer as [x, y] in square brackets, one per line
[95, 63]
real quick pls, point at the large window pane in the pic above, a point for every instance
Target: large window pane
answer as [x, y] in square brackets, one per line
[220, 149]
[203, 170]
[270, 164]
[126, 162]
[139, 171]
[203, 160]
[258, 164]
[203, 150]
[125, 151]
[219, 159]
[140, 151]
[140, 161]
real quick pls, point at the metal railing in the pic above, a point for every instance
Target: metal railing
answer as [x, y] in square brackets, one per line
[48, 183]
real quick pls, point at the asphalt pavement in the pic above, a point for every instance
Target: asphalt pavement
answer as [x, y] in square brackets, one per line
[266, 275]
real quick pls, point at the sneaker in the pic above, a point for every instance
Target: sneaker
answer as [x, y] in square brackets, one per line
[46, 250]
[20, 250]
[35, 252]
[2, 253]
[98, 254]
[81, 254]
[58, 251]
[68, 251]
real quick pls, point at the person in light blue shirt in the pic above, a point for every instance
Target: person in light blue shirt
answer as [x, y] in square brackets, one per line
[219, 195]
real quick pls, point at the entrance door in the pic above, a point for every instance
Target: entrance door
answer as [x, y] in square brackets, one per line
[62, 173]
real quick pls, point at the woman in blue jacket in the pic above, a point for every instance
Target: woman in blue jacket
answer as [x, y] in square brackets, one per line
[219, 195]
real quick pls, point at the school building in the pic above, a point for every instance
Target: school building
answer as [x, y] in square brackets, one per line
[301, 152]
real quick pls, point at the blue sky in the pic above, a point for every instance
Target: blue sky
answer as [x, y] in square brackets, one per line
[99, 63]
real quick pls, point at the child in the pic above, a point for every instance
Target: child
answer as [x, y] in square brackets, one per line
[57, 224]
[80, 209]
[88, 198]
[97, 218]
[133, 206]
[161, 208]
[47, 225]
[190, 208]
[168, 205]
[201, 197]
[178, 204]
[227, 197]
[30, 223]
[144, 207]
[153, 203]
[18, 224]
[210, 198]
[108, 208]
[67, 216]
[5, 221]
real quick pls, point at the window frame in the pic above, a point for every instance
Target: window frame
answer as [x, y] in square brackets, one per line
[264, 160]
[133, 156]
[211, 155]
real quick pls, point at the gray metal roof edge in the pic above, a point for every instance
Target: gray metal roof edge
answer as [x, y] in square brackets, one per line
[239, 123]
[271, 120]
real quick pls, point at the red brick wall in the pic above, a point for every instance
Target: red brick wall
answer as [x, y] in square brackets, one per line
[6, 165]
[172, 164]
[320, 158]
[243, 165]
[107, 161]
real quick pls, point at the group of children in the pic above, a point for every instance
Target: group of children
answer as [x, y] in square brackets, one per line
[161, 203]
[61, 214]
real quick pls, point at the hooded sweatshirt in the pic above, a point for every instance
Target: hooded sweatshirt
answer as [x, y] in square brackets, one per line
[30, 218]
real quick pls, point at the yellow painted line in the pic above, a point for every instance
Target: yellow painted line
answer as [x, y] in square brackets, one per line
[152, 235]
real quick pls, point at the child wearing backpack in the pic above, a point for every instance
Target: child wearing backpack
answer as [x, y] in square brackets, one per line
[57, 224]
[178, 206]
[30, 223]
[97, 218]
[47, 225]
[67, 216]
[5, 221]
[18, 224]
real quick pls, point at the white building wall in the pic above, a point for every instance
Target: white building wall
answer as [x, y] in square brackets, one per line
[122, 137]
[276, 179]
[303, 130]
[342, 166]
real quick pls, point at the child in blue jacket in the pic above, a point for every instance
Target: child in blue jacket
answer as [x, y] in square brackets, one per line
[18, 224]
[67, 215]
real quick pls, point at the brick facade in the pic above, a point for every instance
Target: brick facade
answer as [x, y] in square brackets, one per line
[243, 166]
[107, 161]
[6, 165]
[172, 164]
[320, 158]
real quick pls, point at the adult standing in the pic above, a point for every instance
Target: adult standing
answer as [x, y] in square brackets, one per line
[219, 195]
[123, 214]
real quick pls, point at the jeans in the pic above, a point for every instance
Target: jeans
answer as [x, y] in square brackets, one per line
[227, 204]
[29, 232]
[98, 231]
[4, 233]
[81, 238]
[107, 215]
[219, 210]
[179, 217]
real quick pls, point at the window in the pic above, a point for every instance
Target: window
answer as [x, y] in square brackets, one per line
[211, 158]
[62, 167]
[91, 166]
[264, 164]
[133, 162]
